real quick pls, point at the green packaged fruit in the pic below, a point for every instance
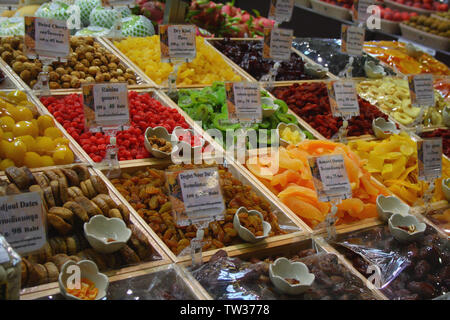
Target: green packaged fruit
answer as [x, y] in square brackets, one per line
[137, 26]
[103, 17]
[53, 10]
[93, 31]
[86, 7]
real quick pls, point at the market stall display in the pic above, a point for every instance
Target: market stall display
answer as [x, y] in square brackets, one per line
[245, 226]
[327, 52]
[207, 67]
[393, 162]
[209, 106]
[396, 55]
[249, 56]
[72, 196]
[233, 278]
[292, 182]
[309, 100]
[27, 137]
[392, 96]
[144, 188]
[145, 111]
[89, 62]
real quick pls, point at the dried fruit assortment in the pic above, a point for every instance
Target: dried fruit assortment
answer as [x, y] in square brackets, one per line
[71, 196]
[209, 106]
[393, 97]
[393, 162]
[145, 191]
[396, 55]
[248, 55]
[292, 182]
[27, 138]
[250, 280]
[88, 62]
[426, 273]
[207, 67]
[145, 112]
[432, 25]
[310, 102]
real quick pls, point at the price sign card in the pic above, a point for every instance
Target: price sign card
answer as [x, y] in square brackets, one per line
[46, 38]
[343, 98]
[177, 42]
[352, 40]
[106, 105]
[22, 222]
[281, 10]
[330, 177]
[243, 102]
[360, 13]
[196, 196]
[277, 43]
[421, 90]
[429, 154]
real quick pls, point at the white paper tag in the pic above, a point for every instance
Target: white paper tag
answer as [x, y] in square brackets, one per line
[4, 256]
[277, 44]
[106, 105]
[200, 199]
[421, 90]
[177, 42]
[361, 13]
[352, 40]
[345, 100]
[22, 222]
[429, 153]
[281, 10]
[46, 37]
[243, 101]
[330, 177]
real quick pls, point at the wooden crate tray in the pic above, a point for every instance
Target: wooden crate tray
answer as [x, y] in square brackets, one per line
[165, 84]
[167, 281]
[141, 79]
[79, 155]
[159, 256]
[288, 248]
[291, 226]
[231, 62]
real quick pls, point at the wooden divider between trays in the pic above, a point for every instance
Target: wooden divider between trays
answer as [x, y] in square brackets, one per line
[42, 290]
[141, 78]
[287, 246]
[162, 164]
[11, 75]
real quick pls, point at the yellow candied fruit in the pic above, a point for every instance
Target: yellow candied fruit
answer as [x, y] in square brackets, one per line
[61, 141]
[47, 161]
[29, 141]
[6, 163]
[207, 67]
[291, 136]
[17, 96]
[45, 145]
[53, 133]
[45, 122]
[7, 123]
[16, 152]
[63, 155]
[1, 133]
[23, 128]
[32, 160]
[22, 113]
[393, 161]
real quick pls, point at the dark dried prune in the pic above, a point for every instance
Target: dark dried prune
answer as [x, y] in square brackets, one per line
[423, 289]
[421, 269]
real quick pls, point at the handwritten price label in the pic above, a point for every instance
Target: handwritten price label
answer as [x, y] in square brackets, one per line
[352, 40]
[177, 42]
[46, 38]
[330, 177]
[243, 102]
[421, 89]
[277, 43]
[343, 98]
[429, 152]
[281, 10]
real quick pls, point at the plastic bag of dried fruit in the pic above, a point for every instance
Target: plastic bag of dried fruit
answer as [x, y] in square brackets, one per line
[10, 271]
[390, 263]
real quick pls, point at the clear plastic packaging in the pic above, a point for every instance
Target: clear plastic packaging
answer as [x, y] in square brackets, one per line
[418, 269]
[230, 278]
[10, 272]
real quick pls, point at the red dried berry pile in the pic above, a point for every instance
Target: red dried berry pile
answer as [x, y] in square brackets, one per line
[310, 102]
[144, 112]
[445, 134]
